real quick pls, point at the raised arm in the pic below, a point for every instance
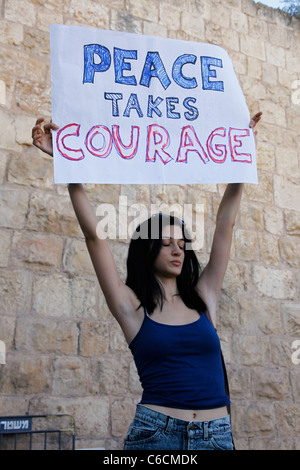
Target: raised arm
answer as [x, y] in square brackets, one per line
[211, 280]
[121, 300]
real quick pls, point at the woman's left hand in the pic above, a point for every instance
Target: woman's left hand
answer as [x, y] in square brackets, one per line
[256, 118]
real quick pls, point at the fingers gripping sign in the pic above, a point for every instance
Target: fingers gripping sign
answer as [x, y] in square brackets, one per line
[42, 136]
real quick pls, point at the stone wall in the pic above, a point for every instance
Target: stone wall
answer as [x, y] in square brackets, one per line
[64, 352]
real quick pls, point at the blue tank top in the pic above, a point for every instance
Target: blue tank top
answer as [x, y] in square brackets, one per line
[180, 366]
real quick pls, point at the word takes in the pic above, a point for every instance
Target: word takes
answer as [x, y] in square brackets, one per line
[191, 112]
[100, 140]
[97, 59]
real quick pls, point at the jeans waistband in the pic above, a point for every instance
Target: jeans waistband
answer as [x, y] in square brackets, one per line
[144, 413]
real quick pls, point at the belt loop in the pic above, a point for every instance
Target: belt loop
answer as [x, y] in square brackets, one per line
[169, 425]
[205, 430]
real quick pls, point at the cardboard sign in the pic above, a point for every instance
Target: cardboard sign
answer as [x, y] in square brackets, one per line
[146, 110]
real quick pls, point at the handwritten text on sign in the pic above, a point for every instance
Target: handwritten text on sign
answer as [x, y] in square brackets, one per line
[139, 109]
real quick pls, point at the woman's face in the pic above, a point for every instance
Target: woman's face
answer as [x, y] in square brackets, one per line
[170, 259]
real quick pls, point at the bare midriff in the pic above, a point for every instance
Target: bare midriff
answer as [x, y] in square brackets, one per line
[191, 415]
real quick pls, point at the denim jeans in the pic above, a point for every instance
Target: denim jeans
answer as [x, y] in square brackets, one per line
[151, 430]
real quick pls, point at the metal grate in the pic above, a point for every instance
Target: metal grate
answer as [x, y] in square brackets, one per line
[37, 432]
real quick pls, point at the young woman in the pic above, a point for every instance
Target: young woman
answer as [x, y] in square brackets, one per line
[167, 311]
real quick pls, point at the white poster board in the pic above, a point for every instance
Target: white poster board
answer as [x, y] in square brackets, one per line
[146, 110]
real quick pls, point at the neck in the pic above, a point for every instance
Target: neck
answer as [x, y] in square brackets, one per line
[169, 288]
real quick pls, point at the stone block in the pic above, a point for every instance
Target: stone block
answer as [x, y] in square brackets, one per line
[286, 193]
[39, 250]
[46, 336]
[260, 316]
[52, 296]
[7, 330]
[30, 168]
[239, 21]
[122, 413]
[25, 374]
[110, 375]
[275, 55]
[271, 384]
[239, 383]
[292, 222]
[251, 217]
[91, 414]
[5, 243]
[268, 246]
[291, 318]
[15, 292]
[69, 376]
[170, 21]
[34, 98]
[290, 251]
[13, 9]
[122, 21]
[11, 33]
[253, 419]
[46, 17]
[7, 131]
[276, 283]
[76, 259]
[144, 9]
[250, 350]
[49, 213]
[246, 245]
[253, 47]
[37, 42]
[289, 417]
[263, 191]
[273, 220]
[93, 14]
[281, 351]
[13, 207]
[93, 338]
[84, 298]
[237, 279]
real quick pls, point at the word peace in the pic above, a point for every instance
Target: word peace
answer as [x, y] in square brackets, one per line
[97, 58]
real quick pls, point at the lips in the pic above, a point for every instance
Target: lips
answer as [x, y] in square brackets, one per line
[176, 263]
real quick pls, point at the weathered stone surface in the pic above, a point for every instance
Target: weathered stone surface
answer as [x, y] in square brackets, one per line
[13, 207]
[15, 292]
[5, 243]
[250, 350]
[276, 283]
[65, 352]
[37, 249]
[49, 213]
[91, 414]
[93, 338]
[47, 336]
[69, 376]
[253, 419]
[271, 384]
[110, 375]
[260, 316]
[25, 374]
[122, 413]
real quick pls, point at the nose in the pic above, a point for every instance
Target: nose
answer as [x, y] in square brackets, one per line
[176, 249]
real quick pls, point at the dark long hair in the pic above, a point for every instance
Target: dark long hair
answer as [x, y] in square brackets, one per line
[144, 247]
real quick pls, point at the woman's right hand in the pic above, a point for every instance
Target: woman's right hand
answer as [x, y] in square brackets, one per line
[42, 137]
